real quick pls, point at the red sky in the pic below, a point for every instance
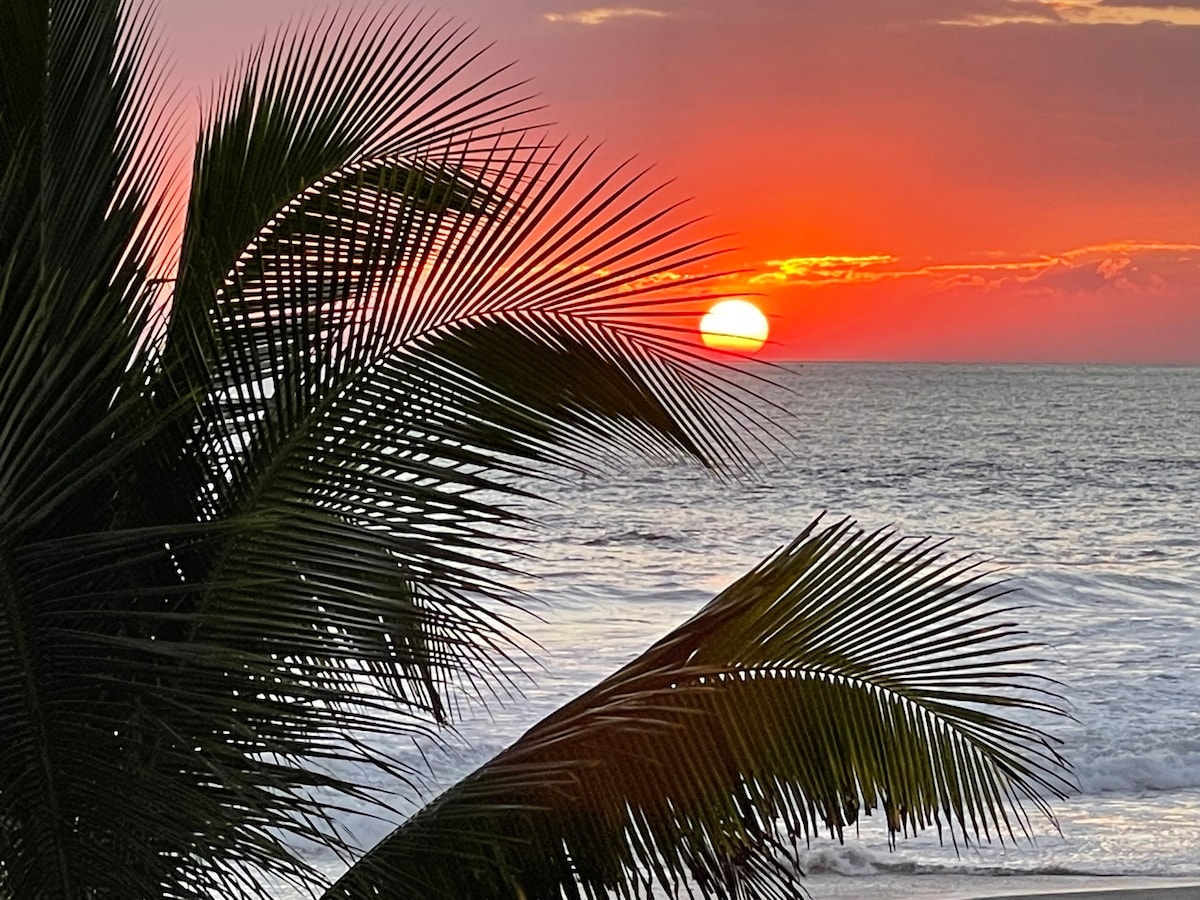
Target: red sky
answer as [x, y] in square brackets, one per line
[995, 180]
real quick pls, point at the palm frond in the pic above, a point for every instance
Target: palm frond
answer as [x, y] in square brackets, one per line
[362, 398]
[847, 673]
[79, 155]
[346, 90]
[232, 548]
[376, 385]
[333, 405]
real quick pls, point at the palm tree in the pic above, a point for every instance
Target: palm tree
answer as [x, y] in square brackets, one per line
[259, 510]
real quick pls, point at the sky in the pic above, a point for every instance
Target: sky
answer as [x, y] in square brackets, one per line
[936, 180]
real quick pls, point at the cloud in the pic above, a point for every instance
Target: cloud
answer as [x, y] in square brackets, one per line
[600, 15]
[1134, 266]
[817, 270]
[1084, 12]
[1120, 265]
[1154, 4]
[1011, 12]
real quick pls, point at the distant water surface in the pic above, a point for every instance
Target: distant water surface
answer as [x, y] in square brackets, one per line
[1082, 484]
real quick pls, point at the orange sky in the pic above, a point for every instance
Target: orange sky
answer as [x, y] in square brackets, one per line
[999, 180]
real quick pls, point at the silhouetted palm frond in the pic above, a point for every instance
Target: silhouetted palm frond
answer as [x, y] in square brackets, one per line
[233, 546]
[846, 674]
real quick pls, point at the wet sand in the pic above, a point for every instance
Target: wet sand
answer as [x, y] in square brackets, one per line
[1007, 887]
[1185, 892]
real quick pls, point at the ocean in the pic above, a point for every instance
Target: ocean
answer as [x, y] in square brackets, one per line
[1080, 485]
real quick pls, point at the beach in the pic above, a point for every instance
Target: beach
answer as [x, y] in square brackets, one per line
[1183, 892]
[1026, 887]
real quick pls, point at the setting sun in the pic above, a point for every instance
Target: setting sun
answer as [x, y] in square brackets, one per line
[735, 325]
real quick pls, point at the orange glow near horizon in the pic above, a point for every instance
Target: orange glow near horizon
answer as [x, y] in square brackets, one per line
[916, 184]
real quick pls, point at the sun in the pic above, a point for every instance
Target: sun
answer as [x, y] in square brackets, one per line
[735, 325]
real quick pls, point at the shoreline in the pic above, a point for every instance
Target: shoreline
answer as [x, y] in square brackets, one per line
[1002, 887]
[1141, 891]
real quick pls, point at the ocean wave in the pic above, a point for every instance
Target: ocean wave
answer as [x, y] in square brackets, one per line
[841, 859]
[1141, 772]
[856, 860]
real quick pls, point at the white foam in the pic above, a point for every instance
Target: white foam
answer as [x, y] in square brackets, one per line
[1135, 773]
[841, 859]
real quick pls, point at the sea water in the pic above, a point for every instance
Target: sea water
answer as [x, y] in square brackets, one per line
[1080, 484]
